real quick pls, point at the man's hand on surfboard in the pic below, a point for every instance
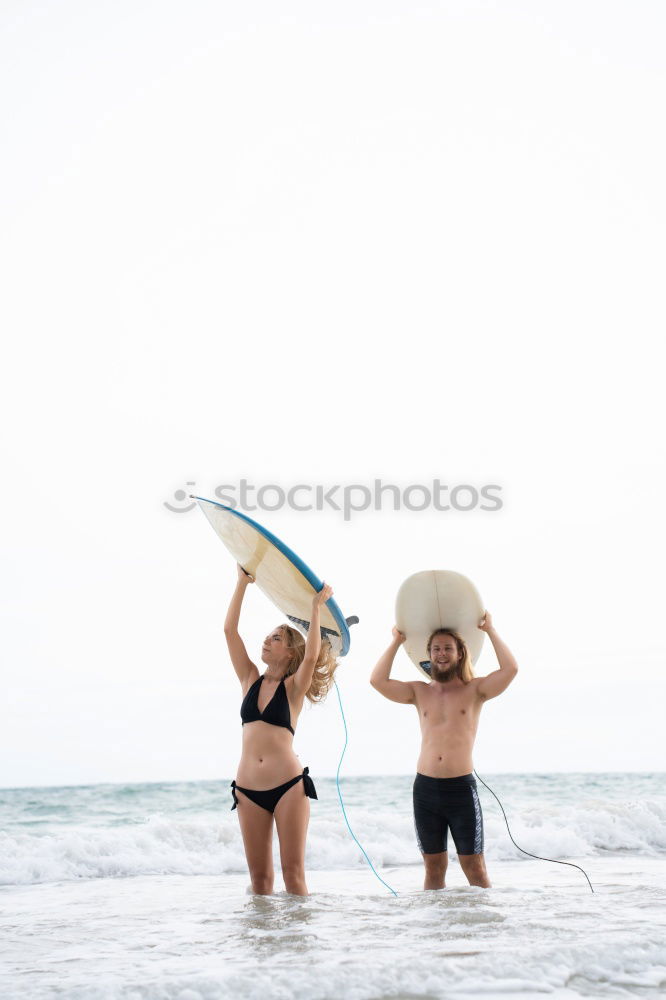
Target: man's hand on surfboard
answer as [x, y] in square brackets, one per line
[486, 622]
[323, 595]
[398, 636]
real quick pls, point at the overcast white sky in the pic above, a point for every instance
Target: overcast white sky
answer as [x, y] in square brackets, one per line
[323, 243]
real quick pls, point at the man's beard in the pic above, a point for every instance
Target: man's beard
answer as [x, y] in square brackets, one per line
[444, 675]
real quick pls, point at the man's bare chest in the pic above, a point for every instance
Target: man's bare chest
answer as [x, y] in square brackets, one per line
[457, 707]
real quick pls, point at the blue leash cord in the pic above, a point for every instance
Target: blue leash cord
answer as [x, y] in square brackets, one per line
[337, 781]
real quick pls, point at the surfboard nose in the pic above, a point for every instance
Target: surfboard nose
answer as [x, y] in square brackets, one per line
[279, 573]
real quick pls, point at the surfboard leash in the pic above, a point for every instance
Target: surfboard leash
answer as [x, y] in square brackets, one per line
[344, 813]
[552, 860]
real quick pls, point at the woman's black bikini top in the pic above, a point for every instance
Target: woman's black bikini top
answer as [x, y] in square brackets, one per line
[276, 712]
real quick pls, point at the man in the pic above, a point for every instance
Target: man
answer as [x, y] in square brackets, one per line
[449, 706]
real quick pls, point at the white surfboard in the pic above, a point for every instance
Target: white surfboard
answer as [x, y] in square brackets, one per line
[434, 599]
[284, 578]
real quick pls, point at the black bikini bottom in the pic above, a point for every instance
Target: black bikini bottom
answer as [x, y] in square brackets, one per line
[270, 798]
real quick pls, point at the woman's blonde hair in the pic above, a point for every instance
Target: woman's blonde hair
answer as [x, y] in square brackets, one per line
[465, 668]
[325, 667]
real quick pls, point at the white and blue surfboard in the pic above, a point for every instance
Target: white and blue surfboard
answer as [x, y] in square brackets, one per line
[284, 578]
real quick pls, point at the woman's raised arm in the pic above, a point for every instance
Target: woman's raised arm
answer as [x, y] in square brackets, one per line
[245, 669]
[303, 676]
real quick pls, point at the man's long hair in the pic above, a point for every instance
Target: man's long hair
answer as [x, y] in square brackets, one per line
[465, 670]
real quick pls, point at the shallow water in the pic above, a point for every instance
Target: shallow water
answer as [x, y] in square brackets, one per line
[203, 937]
[142, 895]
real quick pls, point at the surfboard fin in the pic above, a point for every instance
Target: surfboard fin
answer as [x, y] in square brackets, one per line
[325, 632]
[352, 620]
[425, 665]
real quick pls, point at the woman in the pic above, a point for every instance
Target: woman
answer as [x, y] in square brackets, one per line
[270, 783]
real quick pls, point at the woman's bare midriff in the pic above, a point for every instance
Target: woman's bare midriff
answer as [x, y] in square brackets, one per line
[268, 758]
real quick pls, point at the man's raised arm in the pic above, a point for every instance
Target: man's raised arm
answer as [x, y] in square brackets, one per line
[499, 680]
[400, 691]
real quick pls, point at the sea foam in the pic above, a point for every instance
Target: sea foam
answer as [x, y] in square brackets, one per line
[210, 844]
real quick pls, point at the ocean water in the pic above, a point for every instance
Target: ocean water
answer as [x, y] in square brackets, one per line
[140, 892]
